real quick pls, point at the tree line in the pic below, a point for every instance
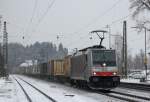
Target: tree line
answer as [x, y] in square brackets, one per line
[42, 52]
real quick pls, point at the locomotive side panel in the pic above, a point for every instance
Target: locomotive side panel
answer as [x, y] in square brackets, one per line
[78, 67]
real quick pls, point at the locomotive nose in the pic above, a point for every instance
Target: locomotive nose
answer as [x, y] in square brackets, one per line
[95, 79]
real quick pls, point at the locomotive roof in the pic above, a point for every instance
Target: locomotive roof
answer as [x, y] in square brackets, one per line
[93, 47]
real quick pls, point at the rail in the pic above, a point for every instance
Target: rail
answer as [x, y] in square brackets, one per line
[27, 96]
[50, 98]
[124, 96]
[137, 86]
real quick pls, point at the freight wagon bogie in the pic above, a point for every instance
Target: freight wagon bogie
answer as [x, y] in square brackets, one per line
[79, 83]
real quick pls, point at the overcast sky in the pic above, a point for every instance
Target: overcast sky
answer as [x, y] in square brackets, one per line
[72, 20]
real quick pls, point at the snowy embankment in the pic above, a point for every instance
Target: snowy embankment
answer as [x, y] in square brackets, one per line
[63, 93]
[10, 91]
[132, 80]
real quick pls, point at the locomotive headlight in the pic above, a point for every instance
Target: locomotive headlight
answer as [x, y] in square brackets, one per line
[114, 73]
[104, 64]
[94, 73]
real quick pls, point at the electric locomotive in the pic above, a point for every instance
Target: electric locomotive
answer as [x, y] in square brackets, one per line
[96, 67]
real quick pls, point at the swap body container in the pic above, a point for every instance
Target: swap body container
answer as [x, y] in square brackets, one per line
[78, 67]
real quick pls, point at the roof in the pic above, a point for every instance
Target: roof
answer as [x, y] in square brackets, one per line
[24, 65]
[95, 46]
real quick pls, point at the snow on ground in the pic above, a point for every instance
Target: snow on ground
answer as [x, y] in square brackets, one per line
[10, 91]
[132, 80]
[132, 91]
[34, 94]
[63, 93]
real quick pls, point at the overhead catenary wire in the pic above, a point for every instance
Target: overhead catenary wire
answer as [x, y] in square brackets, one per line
[43, 16]
[92, 21]
[45, 13]
[34, 9]
[113, 22]
[98, 17]
[32, 16]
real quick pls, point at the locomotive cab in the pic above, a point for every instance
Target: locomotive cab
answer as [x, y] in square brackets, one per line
[96, 67]
[104, 71]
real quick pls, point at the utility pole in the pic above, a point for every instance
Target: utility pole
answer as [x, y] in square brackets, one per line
[124, 50]
[145, 59]
[125, 34]
[5, 48]
[123, 65]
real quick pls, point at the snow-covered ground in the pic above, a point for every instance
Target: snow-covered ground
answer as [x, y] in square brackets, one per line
[130, 80]
[63, 93]
[10, 91]
[133, 80]
[132, 91]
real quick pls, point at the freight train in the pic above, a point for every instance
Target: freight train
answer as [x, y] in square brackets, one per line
[94, 67]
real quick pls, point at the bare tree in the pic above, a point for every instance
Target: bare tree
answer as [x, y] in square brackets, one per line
[139, 6]
[139, 61]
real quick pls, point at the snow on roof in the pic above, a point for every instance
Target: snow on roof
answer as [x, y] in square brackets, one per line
[24, 65]
[28, 63]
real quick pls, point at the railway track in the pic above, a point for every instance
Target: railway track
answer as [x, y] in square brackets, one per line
[143, 87]
[116, 94]
[124, 96]
[29, 98]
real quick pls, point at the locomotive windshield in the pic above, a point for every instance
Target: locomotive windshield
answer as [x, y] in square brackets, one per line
[104, 56]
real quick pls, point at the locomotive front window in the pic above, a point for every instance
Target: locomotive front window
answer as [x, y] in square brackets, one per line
[104, 56]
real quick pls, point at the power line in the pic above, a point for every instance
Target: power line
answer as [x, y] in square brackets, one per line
[45, 13]
[113, 22]
[93, 21]
[34, 9]
[120, 19]
[97, 18]
[33, 12]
